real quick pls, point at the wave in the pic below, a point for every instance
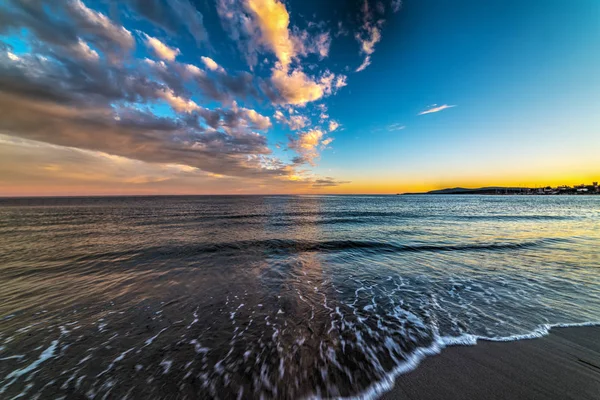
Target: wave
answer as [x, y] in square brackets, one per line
[441, 342]
[503, 217]
[268, 247]
[299, 246]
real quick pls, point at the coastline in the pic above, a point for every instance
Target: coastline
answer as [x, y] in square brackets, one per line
[562, 365]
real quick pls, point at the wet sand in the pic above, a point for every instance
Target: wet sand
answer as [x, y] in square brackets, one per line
[562, 365]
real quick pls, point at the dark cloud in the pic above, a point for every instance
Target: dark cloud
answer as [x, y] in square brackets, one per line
[327, 182]
[136, 135]
[52, 76]
[218, 86]
[171, 15]
[155, 11]
[57, 100]
[64, 24]
[191, 18]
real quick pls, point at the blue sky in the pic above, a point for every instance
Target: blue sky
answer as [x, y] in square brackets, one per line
[265, 96]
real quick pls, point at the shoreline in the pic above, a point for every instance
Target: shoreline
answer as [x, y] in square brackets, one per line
[562, 365]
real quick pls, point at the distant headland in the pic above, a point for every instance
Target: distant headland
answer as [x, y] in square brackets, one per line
[500, 190]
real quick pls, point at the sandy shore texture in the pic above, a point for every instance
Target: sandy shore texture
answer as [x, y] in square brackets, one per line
[562, 365]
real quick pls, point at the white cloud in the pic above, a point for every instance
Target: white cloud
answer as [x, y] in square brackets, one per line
[298, 88]
[395, 127]
[435, 108]
[272, 20]
[101, 25]
[306, 145]
[366, 62]
[340, 81]
[178, 103]
[83, 51]
[369, 36]
[160, 49]
[193, 70]
[295, 122]
[258, 120]
[333, 125]
[211, 64]
[12, 56]
[327, 142]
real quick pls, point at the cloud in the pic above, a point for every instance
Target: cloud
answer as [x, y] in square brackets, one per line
[82, 87]
[172, 16]
[87, 111]
[395, 127]
[211, 64]
[435, 108]
[327, 182]
[82, 50]
[256, 120]
[191, 18]
[265, 25]
[220, 86]
[306, 43]
[368, 41]
[396, 5]
[333, 125]
[369, 35]
[12, 56]
[179, 104]
[297, 88]
[326, 142]
[160, 49]
[366, 62]
[100, 25]
[79, 23]
[272, 20]
[341, 30]
[294, 122]
[322, 44]
[306, 144]
[340, 81]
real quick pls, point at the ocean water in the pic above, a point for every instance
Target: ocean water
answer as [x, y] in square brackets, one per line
[278, 296]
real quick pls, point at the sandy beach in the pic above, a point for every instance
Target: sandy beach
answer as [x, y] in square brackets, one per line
[563, 365]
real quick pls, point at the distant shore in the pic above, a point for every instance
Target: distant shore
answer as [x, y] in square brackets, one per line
[580, 190]
[562, 365]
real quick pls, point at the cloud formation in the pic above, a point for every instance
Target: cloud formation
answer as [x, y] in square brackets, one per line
[271, 21]
[265, 24]
[297, 88]
[307, 144]
[368, 36]
[80, 77]
[435, 108]
[395, 127]
[172, 16]
[160, 49]
[294, 122]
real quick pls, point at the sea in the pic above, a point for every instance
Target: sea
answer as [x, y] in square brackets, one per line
[278, 297]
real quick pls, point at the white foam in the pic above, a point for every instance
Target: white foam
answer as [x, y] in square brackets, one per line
[149, 341]
[195, 318]
[166, 364]
[116, 360]
[18, 357]
[387, 383]
[46, 354]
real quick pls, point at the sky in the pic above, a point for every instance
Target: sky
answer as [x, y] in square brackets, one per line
[105, 97]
